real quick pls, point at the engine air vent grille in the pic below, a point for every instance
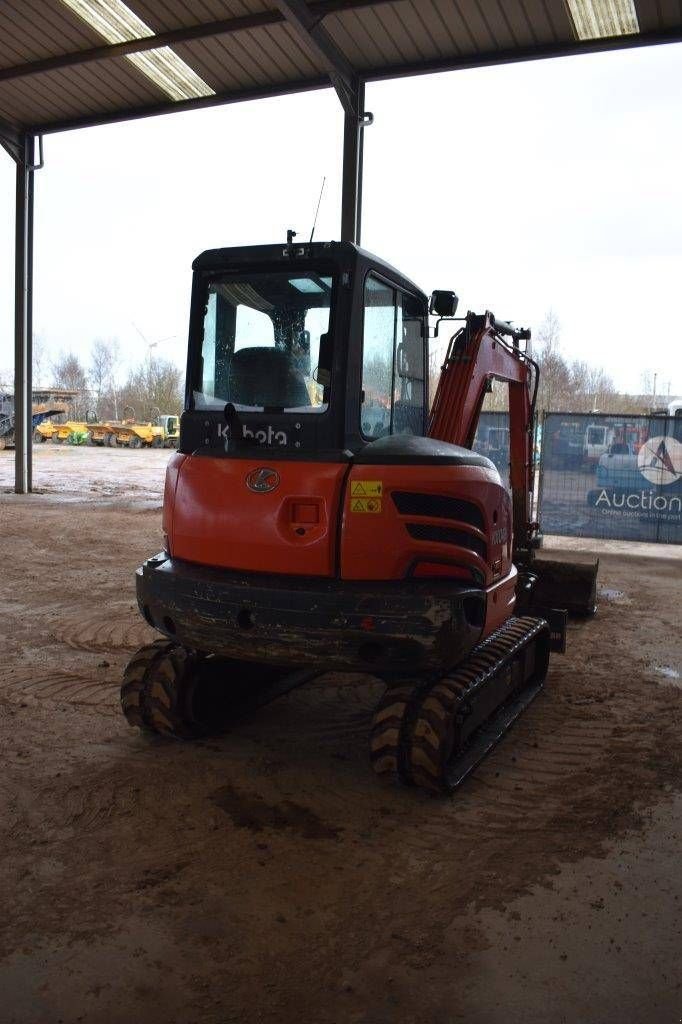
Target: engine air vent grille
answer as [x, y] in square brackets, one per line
[447, 535]
[440, 506]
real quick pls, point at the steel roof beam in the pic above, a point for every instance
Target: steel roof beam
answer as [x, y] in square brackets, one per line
[11, 141]
[322, 48]
[350, 89]
[227, 26]
[521, 54]
[485, 59]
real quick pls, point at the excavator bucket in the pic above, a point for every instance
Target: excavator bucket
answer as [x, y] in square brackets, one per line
[569, 585]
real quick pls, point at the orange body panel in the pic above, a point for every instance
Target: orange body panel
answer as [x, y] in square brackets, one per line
[212, 517]
[378, 546]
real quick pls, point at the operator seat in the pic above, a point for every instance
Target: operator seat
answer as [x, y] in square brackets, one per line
[265, 377]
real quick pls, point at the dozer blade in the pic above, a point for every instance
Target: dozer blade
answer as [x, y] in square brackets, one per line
[434, 733]
[569, 585]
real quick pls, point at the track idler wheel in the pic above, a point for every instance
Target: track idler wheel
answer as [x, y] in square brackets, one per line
[162, 691]
[434, 732]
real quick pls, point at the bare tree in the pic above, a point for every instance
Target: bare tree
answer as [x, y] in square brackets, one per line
[38, 347]
[155, 386]
[68, 372]
[104, 363]
[647, 381]
[555, 378]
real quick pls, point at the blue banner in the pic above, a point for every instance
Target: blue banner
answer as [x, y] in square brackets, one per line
[616, 477]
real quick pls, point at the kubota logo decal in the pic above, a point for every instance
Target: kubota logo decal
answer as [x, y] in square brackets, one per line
[262, 480]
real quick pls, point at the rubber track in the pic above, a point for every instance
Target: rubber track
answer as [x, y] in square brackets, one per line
[415, 726]
[154, 690]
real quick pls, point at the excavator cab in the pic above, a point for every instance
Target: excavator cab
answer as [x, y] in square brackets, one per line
[316, 349]
[318, 516]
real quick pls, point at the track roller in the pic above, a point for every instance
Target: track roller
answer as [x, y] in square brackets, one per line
[433, 732]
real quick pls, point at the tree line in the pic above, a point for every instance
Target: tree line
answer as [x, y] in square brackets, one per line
[566, 385]
[154, 386]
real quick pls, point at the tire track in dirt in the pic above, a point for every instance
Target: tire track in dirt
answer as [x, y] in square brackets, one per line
[102, 633]
[557, 761]
[61, 687]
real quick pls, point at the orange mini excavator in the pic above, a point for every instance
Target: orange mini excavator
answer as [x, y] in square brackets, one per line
[317, 516]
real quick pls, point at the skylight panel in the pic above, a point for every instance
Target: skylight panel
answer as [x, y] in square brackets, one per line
[306, 284]
[118, 24]
[599, 19]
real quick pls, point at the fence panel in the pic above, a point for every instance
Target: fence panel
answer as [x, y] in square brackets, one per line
[492, 440]
[617, 477]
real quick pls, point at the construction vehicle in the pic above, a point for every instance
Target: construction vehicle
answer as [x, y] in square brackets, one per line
[564, 445]
[171, 429]
[133, 434]
[71, 432]
[295, 544]
[40, 414]
[102, 435]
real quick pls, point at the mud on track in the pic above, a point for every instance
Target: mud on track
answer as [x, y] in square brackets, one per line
[267, 875]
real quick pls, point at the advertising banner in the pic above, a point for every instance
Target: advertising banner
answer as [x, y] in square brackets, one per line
[616, 477]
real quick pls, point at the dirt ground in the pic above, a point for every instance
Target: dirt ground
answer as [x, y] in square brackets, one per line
[268, 876]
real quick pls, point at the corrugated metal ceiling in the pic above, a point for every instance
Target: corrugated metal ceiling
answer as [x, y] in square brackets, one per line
[266, 56]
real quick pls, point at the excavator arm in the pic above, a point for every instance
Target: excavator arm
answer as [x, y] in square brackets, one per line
[478, 354]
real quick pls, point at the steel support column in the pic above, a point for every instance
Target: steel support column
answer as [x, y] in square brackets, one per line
[23, 297]
[350, 89]
[351, 187]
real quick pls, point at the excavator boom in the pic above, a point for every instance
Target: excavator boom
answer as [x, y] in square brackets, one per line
[477, 355]
[482, 351]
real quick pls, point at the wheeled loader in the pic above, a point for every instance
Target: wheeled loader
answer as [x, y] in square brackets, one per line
[298, 540]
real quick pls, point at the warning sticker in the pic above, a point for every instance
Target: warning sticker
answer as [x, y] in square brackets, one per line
[365, 504]
[366, 489]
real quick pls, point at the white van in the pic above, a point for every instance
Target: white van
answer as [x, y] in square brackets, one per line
[598, 438]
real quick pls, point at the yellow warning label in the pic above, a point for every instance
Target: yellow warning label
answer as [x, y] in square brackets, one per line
[366, 489]
[365, 505]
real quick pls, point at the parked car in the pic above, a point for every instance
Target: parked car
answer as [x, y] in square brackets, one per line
[617, 467]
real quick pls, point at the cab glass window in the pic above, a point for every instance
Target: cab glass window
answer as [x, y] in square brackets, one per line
[392, 362]
[267, 343]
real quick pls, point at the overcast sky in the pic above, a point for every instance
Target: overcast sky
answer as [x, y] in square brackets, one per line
[554, 184]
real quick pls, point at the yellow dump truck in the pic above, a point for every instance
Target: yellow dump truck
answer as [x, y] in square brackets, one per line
[102, 434]
[137, 435]
[62, 433]
[160, 432]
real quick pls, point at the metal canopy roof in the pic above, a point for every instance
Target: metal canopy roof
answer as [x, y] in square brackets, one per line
[58, 72]
[71, 63]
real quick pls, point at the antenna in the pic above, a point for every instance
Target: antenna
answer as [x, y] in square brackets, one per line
[318, 209]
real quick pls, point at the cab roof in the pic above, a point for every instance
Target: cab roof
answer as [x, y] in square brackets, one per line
[345, 254]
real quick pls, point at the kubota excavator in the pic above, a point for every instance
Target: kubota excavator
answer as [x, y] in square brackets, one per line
[317, 516]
